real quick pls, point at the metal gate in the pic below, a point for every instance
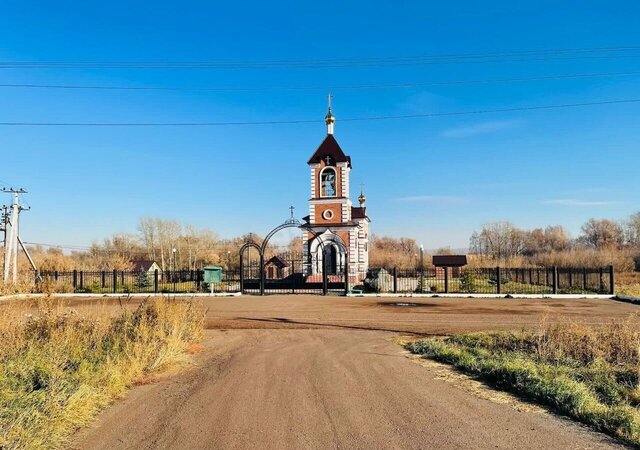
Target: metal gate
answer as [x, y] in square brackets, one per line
[290, 274]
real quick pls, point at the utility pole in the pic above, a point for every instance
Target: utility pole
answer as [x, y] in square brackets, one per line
[11, 236]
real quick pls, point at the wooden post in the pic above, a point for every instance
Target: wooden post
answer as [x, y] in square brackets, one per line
[75, 280]
[584, 279]
[601, 280]
[555, 279]
[498, 281]
[81, 279]
[115, 281]
[103, 279]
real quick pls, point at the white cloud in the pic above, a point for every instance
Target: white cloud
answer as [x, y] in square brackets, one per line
[481, 128]
[574, 202]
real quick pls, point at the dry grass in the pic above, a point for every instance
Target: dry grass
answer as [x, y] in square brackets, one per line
[59, 369]
[591, 373]
[628, 283]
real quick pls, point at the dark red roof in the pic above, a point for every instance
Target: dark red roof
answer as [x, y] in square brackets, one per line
[358, 212]
[277, 261]
[449, 260]
[329, 147]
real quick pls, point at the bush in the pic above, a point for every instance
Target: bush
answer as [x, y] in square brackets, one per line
[468, 281]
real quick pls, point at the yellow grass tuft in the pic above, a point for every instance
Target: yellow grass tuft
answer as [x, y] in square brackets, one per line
[59, 369]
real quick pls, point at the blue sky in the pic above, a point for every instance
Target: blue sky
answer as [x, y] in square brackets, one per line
[435, 179]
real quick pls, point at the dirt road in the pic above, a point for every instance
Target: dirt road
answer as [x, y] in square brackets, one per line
[328, 383]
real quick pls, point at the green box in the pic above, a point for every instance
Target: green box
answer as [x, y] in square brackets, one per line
[213, 274]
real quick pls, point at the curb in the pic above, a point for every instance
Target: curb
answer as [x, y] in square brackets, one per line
[463, 295]
[140, 295]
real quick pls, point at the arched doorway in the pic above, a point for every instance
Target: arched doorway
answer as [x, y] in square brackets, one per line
[331, 260]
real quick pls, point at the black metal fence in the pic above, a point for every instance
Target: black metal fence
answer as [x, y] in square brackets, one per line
[429, 280]
[133, 282]
[289, 280]
[495, 280]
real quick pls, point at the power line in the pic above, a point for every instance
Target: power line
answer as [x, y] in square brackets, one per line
[322, 88]
[304, 121]
[528, 55]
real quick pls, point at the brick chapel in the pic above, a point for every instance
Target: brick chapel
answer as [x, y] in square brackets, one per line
[340, 226]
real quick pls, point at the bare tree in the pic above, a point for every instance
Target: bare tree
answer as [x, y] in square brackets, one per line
[632, 230]
[601, 234]
[498, 240]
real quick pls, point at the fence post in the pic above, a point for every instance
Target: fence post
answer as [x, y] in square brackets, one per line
[291, 275]
[555, 279]
[75, 280]
[115, 281]
[395, 280]
[612, 284]
[601, 280]
[346, 274]
[155, 281]
[325, 276]
[262, 274]
[81, 279]
[546, 276]
[103, 279]
[241, 275]
[446, 280]
[570, 278]
[498, 280]
[584, 279]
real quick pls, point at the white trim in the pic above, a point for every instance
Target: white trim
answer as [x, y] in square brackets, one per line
[324, 200]
[327, 214]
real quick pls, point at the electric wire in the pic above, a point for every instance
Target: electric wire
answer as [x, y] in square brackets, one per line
[490, 57]
[306, 121]
[319, 88]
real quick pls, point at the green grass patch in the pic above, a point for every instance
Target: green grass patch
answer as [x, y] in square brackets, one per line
[589, 374]
[58, 370]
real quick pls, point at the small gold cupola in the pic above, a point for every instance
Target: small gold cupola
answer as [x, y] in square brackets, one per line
[329, 119]
[362, 198]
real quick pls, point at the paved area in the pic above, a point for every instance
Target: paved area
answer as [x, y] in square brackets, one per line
[313, 372]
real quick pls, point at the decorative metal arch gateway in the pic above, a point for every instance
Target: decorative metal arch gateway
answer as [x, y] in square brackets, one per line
[294, 282]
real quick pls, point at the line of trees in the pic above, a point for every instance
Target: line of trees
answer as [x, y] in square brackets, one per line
[171, 244]
[601, 242]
